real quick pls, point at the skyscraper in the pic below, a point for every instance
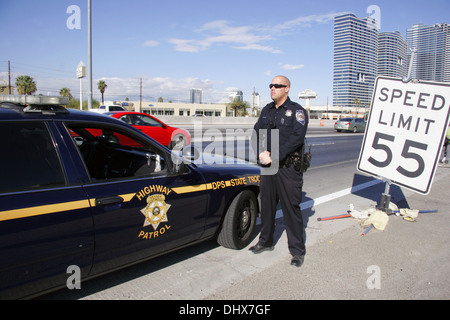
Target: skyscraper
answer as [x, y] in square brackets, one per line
[432, 60]
[392, 56]
[196, 96]
[355, 60]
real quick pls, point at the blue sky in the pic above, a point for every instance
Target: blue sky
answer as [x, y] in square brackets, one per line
[217, 46]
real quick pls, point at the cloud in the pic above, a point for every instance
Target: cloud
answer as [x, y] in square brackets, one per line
[188, 45]
[175, 89]
[220, 32]
[292, 66]
[150, 43]
[259, 47]
[307, 21]
[246, 37]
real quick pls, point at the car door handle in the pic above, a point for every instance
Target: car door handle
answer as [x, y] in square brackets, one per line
[108, 201]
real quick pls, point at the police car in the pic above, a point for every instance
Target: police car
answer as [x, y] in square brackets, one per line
[84, 190]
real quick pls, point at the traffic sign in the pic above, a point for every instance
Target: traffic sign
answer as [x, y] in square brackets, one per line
[81, 70]
[405, 132]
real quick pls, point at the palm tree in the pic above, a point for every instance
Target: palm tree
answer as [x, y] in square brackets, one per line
[358, 104]
[239, 107]
[25, 85]
[102, 87]
[65, 92]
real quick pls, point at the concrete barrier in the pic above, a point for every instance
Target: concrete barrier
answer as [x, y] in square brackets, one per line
[180, 121]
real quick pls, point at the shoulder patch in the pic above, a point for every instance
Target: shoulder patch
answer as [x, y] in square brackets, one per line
[300, 116]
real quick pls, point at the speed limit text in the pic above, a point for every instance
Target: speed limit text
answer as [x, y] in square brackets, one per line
[409, 99]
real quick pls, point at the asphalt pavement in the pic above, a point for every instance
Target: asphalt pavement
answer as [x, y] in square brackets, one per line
[406, 261]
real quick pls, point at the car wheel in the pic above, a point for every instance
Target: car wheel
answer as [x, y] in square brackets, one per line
[239, 222]
[178, 142]
[355, 129]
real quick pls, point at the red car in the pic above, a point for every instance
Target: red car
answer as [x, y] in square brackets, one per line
[158, 130]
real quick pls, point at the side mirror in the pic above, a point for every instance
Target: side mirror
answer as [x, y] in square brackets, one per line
[187, 155]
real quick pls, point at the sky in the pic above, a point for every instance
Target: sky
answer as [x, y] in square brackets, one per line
[175, 46]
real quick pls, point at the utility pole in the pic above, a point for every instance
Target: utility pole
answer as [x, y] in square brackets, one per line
[9, 77]
[140, 95]
[89, 56]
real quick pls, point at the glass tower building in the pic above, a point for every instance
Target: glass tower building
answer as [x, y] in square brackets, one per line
[355, 60]
[432, 42]
[196, 96]
[392, 55]
[361, 54]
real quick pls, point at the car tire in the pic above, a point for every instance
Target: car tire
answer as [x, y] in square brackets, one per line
[355, 129]
[239, 222]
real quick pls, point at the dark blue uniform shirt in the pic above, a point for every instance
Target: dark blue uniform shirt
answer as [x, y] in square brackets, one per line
[291, 119]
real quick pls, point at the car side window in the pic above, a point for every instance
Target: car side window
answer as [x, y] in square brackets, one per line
[110, 154]
[126, 118]
[30, 160]
[147, 121]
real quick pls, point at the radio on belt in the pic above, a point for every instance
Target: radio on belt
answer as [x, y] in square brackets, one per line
[405, 132]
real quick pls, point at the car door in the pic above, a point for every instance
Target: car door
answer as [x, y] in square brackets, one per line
[152, 128]
[45, 218]
[140, 206]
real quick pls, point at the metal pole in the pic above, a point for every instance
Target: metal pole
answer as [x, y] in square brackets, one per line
[411, 63]
[9, 77]
[89, 56]
[81, 94]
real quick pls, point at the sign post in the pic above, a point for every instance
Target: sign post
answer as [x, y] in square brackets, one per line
[81, 73]
[405, 133]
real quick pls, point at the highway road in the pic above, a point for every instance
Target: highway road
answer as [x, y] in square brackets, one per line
[327, 146]
[407, 261]
[192, 273]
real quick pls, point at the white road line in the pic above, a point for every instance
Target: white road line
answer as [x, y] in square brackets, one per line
[332, 196]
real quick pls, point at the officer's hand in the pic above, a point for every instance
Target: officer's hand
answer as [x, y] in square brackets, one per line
[264, 158]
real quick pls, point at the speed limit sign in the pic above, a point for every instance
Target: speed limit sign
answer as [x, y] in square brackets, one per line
[405, 132]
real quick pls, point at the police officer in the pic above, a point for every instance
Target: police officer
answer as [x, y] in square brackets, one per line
[286, 184]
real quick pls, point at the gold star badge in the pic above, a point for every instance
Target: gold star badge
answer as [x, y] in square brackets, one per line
[156, 211]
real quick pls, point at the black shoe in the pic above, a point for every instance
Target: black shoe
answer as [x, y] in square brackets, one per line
[260, 248]
[297, 261]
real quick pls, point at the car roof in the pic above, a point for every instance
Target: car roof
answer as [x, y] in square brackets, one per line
[111, 113]
[21, 111]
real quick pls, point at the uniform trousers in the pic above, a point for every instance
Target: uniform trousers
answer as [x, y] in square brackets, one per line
[284, 186]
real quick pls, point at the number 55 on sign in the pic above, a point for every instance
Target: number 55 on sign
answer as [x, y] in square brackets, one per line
[405, 132]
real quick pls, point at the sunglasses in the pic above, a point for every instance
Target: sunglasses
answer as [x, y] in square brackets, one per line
[278, 86]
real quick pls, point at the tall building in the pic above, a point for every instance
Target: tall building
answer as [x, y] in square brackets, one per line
[392, 55]
[237, 95]
[355, 60]
[432, 60]
[196, 96]
[361, 54]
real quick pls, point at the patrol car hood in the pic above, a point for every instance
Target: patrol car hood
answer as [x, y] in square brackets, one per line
[207, 163]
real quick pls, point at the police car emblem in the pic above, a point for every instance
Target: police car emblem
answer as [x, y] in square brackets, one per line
[156, 211]
[300, 116]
